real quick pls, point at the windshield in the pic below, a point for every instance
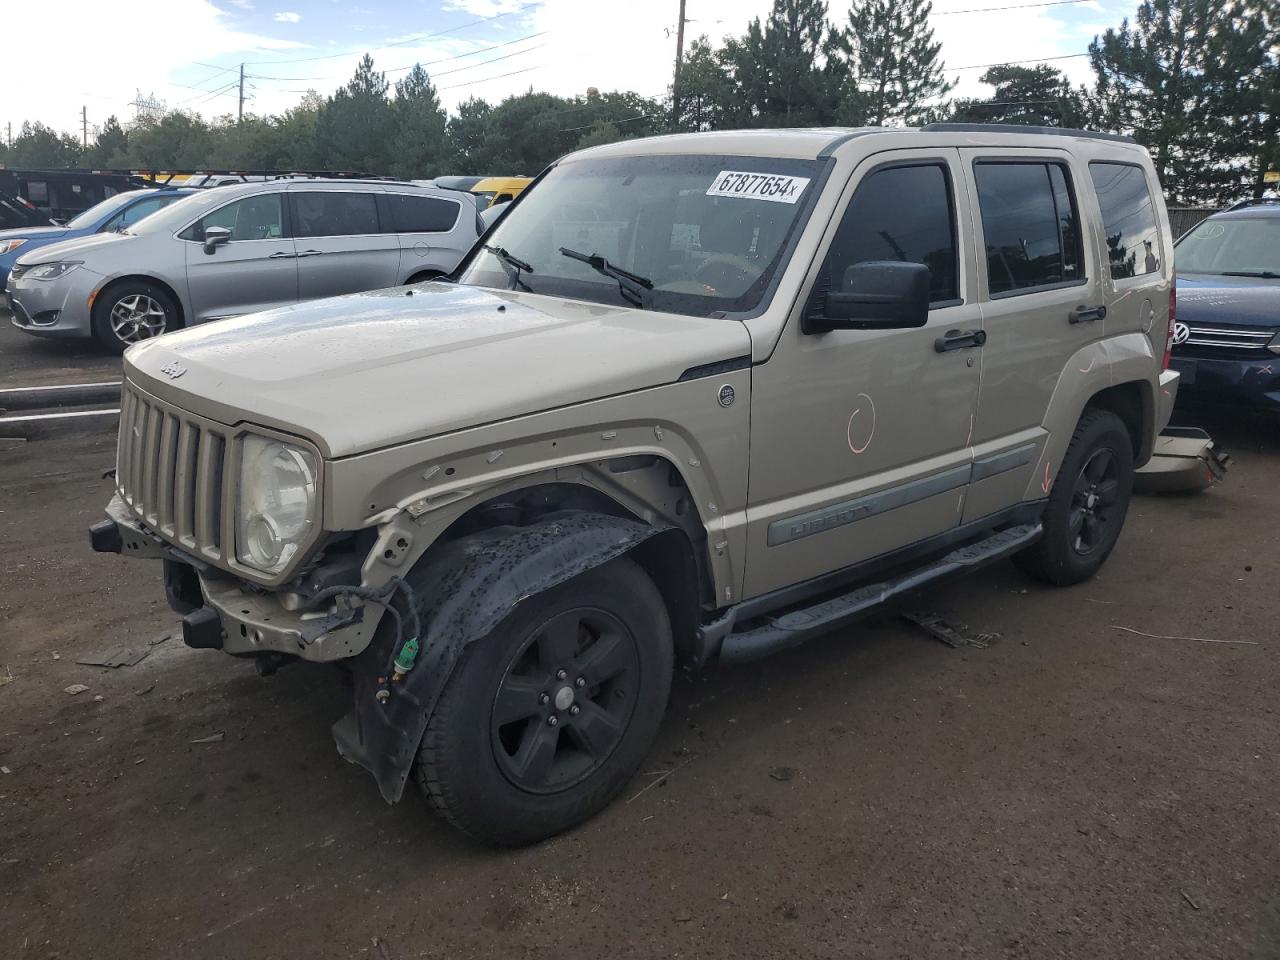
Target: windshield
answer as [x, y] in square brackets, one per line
[704, 234]
[1231, 245]
[97, 212]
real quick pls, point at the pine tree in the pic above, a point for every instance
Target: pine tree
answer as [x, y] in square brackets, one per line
[111, 148]
[1036, 96]
[355, 126]
[419, 148]
[895, 59]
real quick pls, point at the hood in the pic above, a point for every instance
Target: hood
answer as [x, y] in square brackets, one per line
[376, 369]
[1245, 301]
[33, 233]
[72, 249]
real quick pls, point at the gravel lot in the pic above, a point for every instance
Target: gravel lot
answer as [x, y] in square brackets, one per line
[1071, 791]
[27, 361]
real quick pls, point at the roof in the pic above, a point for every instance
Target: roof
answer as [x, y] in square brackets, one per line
[1266, 207]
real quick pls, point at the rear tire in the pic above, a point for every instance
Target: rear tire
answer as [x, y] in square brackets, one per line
[594, 654]
[132, 311]
[1087, 503]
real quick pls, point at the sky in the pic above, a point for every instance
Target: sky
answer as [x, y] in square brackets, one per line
[187, 53]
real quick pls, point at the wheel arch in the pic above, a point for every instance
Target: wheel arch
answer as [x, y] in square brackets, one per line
[104, 291]
[1134, 403]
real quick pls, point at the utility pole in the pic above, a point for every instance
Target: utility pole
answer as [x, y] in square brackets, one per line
[240, 110]
[84, 127]
[675, 78]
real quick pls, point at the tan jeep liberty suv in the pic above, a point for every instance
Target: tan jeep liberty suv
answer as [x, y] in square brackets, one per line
[693, 397]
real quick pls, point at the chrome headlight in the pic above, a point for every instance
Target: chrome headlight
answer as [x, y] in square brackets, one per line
[51, 271]
[276, 506]
[8, 246]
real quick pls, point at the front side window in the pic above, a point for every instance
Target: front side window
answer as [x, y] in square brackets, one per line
[253, 218]
[697, 234]
[1029, 224]
[900, 213]
[1128, 218]
[325, 214]
[1232, 247]
[411, 214]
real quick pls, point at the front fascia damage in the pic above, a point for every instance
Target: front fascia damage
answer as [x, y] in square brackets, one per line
[465, 590]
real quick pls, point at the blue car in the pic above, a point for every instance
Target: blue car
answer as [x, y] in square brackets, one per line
[114, 213]
[1226, 338]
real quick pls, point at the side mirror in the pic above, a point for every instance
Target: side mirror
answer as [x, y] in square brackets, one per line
[876, 295]
[215, 237]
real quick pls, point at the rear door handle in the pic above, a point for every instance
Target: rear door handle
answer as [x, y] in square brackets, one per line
[1083, 314]
[280, 255]
[310, 253]
[960, 340]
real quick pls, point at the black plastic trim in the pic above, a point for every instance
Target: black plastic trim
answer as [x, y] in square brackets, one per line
[202, 629]
[104, 537]
[1002, 462]
[715, 368]
[1016, 128]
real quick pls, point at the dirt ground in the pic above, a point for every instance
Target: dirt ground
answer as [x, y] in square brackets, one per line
[27, 361]
[1072, 790]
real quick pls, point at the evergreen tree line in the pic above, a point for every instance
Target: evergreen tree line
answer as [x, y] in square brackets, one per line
[1196, 81]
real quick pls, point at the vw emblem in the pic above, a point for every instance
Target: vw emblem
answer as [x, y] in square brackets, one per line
[1180, 332]
[727, 396]
[173, 370]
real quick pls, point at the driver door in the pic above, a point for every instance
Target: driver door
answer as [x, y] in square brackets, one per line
[860, 438]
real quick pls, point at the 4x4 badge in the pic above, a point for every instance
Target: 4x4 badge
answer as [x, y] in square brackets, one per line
[173, 370]
[727, 396]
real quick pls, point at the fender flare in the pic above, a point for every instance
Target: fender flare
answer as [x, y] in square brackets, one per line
[463, 591]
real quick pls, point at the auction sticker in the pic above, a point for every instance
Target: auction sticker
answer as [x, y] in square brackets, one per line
[776, 188]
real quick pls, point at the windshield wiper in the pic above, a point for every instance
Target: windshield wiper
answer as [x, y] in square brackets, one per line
[513, 265]
[630, 284]
[1264, 274]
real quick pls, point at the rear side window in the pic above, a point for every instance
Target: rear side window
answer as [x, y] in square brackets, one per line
[253, 218]
[411, 214]
[1030, 225]
[333, 214]
[1128, 217]
[880, 224]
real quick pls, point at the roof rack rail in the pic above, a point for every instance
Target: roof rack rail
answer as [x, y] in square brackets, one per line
[1020, 128]
[1253, 202]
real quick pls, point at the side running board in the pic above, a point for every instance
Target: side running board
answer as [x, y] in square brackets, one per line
[788, 629]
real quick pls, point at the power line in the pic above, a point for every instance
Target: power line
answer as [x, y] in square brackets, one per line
[408, 40]
[472, 83]
[1020, 6]
[1010, 63]
[442, 73]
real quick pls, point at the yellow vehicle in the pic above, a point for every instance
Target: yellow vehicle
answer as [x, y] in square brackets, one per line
[499, 189]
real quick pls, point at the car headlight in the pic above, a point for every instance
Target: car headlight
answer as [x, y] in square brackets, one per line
[276, 505]
[51, 271]
[8, 246]
[1274, 344]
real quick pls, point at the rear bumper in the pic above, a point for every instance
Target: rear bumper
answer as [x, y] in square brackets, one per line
[1254, 382]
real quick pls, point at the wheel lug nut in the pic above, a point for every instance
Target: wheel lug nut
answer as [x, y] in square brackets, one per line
[575, 710]
[543, 699]
[561, 674]
[552, 720]
[580, 682]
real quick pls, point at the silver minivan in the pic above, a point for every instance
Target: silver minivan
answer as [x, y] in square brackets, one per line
[241, 249]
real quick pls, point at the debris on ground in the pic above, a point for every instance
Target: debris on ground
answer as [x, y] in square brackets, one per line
[76, 688]
[1187, 897]
[953, 635]
[7, 677]
[1184, 460]
[144, 691]
[5, 770]
[113, 658]
[98, 698]
[158, 640]
[1160, 636]
[783, 774]
[662, 777]
[212, 738]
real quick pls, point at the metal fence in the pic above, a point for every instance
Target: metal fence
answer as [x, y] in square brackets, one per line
[1182, 219]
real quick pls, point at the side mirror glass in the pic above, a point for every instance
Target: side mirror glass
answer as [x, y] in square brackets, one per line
[876, 295]
[215, 237]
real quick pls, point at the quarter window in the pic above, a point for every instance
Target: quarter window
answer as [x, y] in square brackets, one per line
[334, 214]
[253, 218]
[1128, 217]
[410, 214]
[900, 213]
[1029, 224]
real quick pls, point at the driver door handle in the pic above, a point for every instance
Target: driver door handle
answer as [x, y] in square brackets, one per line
[309, 253]
[960, 340]
[281, 255]
[1083, 314]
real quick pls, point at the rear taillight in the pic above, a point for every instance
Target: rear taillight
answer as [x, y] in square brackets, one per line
[1173, 309]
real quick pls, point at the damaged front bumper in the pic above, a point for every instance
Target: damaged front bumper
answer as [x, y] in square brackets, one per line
[222, 612]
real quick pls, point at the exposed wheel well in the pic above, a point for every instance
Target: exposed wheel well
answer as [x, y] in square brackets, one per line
[139, 278]
[1132, 403]
[422, 276]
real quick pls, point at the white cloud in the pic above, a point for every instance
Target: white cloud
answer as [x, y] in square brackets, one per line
[288, 17]
[485, 8]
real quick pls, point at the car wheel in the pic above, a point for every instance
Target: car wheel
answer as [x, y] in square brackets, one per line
[546, 719]
[1087, 503]
[131, 312]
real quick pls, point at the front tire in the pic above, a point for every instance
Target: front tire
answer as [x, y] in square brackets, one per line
[545, 720]
[132, 311]
[1087, 503]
